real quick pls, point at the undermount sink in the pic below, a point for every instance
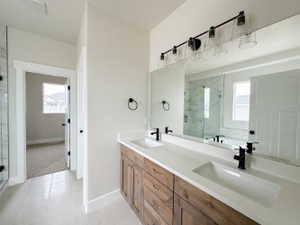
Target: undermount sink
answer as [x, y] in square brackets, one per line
[147, 143]
[260, 190]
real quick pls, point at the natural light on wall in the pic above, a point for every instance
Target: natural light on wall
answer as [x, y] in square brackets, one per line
[241, 101]
[54, 98]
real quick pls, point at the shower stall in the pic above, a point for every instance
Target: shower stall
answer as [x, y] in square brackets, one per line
[4, 144]
[203, 107]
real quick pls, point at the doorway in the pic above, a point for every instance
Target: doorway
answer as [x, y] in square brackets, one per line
[47, 124]
[20, 94]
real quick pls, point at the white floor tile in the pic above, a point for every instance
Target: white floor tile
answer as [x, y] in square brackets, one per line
[56, 199]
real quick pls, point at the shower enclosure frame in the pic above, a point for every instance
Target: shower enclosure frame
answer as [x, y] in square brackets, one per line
[2, 187]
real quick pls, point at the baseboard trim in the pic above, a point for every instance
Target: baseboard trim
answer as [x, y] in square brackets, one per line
[15, 180]
[45, 141]
[102, 201]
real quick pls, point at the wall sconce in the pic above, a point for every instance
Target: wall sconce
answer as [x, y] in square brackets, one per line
[192, 48]
[132, 104]
[165, 105]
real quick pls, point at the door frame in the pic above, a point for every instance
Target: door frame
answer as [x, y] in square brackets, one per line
[20, 92]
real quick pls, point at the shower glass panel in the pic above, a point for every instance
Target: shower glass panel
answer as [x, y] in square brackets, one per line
[203, 107]
[4, 153]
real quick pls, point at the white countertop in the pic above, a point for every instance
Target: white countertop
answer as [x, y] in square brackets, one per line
[181, 161]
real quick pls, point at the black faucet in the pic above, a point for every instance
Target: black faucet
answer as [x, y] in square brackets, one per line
[250, 147]
[167, 130]
[217, 138]
[241, 158]
[156, 132]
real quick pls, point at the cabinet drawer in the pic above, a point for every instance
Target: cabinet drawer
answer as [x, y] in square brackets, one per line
[151, 217]
[133, 156]
[161, 191]
[159, 173]
[211, 207]
[164, 209]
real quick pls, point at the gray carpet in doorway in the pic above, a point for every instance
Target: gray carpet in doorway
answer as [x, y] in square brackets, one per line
[45, 159]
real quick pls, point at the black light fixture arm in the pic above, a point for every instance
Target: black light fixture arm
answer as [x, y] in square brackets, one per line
[241, 15]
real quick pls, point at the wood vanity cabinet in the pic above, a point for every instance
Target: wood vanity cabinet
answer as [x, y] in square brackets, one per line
[160, 198]
[132, 182]
[193, 205]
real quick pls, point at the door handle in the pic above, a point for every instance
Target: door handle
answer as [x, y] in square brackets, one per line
[81, 131]
[63, 124]
[2, 168]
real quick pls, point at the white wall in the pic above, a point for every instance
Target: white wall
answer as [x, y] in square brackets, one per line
[117, 69]
[29, 47]
[168, 84]
[82, 95]
[41, 127]
[190, 19]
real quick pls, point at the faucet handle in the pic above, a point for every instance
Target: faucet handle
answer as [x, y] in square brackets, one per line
[250, 147]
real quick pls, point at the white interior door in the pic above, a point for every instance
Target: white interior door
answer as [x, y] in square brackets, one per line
[67, 125]
[275, 114]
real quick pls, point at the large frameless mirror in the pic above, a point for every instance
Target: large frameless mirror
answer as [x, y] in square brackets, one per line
[248, 95]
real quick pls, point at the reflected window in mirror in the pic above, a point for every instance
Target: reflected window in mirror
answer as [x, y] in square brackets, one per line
[206, 102]
[241, 101]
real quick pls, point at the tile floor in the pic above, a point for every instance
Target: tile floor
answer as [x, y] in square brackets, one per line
[56, 199]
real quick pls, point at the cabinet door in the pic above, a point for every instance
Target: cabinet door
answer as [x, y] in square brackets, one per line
[126, 178]
[137, 191]
[186, 214]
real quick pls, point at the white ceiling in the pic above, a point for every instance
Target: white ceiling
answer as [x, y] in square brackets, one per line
[144, 14]
[62, 22]
[64, 16]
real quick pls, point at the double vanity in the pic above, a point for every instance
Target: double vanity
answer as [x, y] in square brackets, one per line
[181, 182]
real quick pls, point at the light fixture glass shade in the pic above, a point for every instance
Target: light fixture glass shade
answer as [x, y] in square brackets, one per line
[241, 29]
[214, 45]
[194, 50]
[180, 54]
[163, 61]
[248, 40]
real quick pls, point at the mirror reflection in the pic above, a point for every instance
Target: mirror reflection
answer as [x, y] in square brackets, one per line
[248, 97]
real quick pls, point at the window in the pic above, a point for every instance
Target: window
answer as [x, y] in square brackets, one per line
[54, 98]
[206, 102]
[241, 101]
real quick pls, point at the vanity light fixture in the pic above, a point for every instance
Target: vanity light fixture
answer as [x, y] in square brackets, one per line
[174, 50]
[212, 32]
[242, 30]
[194, 43]
[248, 40]
[241, 20]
